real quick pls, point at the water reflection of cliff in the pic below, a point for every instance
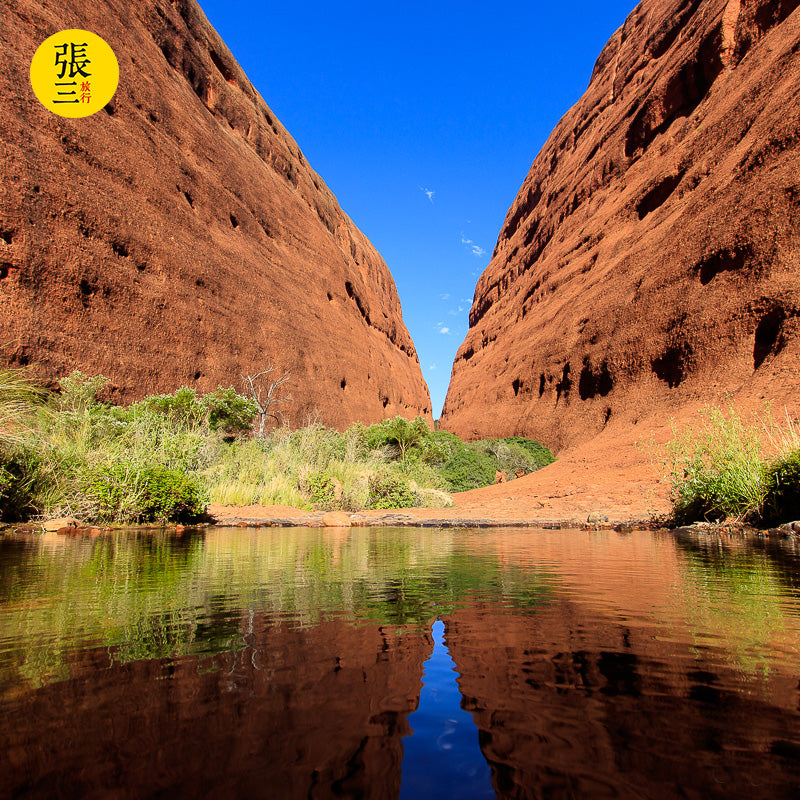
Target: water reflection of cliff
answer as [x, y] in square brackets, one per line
[681, 682]
[299, 712]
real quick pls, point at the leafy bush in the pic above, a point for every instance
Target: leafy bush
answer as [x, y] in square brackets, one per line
[322, 491]
[79, 392]
[153, 493]
[389, 491]
[222, 409]
[406, 434]
[536, 455]
[376, 436]
[468, 469]
[17, 485]
[438, 446]
[782, 501]
[172, 495]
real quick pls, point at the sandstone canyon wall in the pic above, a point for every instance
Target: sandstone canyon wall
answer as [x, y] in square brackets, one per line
[179, 237]
[651, 258]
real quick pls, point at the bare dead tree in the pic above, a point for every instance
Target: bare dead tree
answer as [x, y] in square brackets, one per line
[264, 392]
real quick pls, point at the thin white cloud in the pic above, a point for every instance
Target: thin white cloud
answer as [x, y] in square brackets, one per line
[444, 296]
[429, 192]
[475, 249]
[432, 367]
[444, 329]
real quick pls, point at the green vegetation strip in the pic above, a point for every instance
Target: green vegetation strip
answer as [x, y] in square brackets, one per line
[727, 467]
[167, 457]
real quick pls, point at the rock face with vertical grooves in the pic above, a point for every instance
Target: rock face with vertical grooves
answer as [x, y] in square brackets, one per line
[652, 256]
[178, 237]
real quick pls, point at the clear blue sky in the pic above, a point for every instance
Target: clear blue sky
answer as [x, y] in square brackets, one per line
[423, 119]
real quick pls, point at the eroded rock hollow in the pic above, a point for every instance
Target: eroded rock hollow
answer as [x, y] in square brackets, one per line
[179, 237]
[652, 256]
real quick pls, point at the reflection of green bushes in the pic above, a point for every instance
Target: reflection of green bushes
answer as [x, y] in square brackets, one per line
[741, 597]
[149, 595]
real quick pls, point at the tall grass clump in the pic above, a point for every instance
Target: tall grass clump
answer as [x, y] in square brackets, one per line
[102, 463]
[727, 467]
[782, 503]
[21, 407]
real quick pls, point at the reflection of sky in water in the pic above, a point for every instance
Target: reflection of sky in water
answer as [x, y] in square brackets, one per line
[442, 757]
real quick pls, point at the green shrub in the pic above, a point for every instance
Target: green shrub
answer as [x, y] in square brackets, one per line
[438, 446]
[17, 486]
[782, 501]
[171, 495]
[376, 436]
[322, 491]
[536, 455]
[183, 406]
[222, 409]
[79, 392]
[468, 469]
[718, 470]
[389, 491]
[229, 411]
[28, 479]
[153, 493]
[406, 434]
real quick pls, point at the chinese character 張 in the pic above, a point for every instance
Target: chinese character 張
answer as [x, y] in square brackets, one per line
[77, 59]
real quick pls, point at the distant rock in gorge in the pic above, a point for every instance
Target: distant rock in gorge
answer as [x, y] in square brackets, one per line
[178, 236]
[652, 256]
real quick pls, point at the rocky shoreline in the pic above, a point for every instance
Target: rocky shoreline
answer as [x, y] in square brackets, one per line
[422, 518]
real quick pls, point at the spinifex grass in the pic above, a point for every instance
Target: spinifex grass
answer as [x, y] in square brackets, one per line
[19, 398]
[727, 467]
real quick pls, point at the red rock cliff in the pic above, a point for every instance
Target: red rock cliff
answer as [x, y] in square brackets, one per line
[650, 259]
[179, 237]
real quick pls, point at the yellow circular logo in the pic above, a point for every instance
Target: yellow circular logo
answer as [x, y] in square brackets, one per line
[74, 73]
